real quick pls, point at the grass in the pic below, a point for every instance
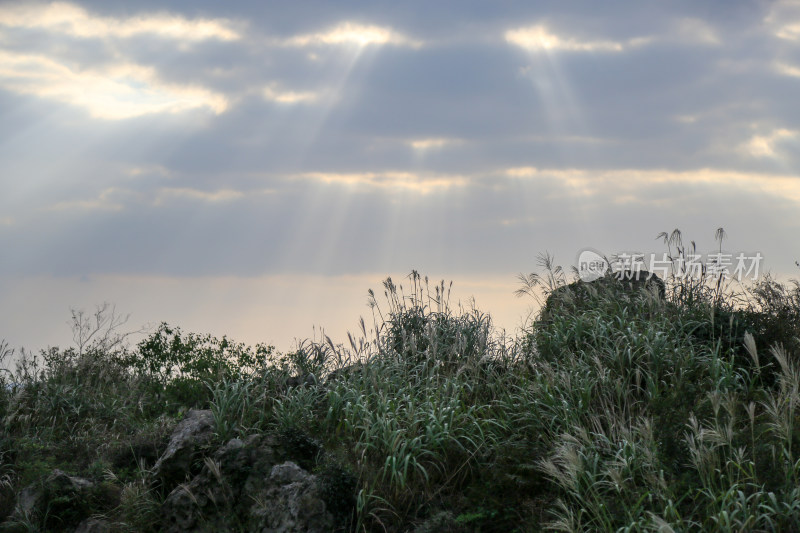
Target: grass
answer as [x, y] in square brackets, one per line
[622, 412]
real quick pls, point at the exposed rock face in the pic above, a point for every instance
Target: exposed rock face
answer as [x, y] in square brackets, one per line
[292, 502]
[63, 501]
[246, 486]
[189, 437]
[579, 293]
[56, 485]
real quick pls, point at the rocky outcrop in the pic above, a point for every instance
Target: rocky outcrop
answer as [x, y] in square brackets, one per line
[254, 484]
[188, 439]
[579, 294]
[64, 502]
[246, 486]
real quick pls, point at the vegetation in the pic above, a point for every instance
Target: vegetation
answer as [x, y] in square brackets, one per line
[629, 413]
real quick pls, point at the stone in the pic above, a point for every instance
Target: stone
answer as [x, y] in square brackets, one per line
[188, 439]
[301, 380]
[579, 293]
[248, 486]
[60, 499]
[292, 503]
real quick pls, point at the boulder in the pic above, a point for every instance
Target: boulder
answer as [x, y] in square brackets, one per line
[578, 295]
[301, 380]
[292, 503]
[188, 439]
[61, 500]
[247, 486]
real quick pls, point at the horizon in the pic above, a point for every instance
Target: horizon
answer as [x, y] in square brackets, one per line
[251, 169]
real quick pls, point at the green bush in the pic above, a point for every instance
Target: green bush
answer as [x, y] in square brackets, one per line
[180, 364]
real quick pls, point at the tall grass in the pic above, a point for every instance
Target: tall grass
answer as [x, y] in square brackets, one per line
[621, 412]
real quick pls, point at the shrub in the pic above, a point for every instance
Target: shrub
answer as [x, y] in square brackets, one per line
[181, 364]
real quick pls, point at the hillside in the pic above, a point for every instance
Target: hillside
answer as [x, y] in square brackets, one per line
[620, 411]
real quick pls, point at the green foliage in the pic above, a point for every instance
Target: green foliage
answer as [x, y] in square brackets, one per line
[621, 411]
[422, 326]
[339, 488]
[181, 363]
[168, 353]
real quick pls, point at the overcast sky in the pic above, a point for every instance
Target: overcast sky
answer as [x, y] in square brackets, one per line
[252, 168]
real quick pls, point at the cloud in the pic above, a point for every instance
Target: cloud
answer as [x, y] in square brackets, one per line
[149, 170]
[164, 195]
[432, 143]
[539, 37]
[408, 181]
[542, 38]
[790, 32]
[765, 145]
[783, 20]
[350, 33]
[787, 69]
[289, 97]
[696, 30]
[112, 92]
[70, 19]
[628, 184]
[108, 200]
[59, 68]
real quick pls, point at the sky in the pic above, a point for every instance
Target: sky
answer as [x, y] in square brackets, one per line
[252, 168]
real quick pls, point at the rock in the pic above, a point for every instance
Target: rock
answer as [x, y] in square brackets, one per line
[292, 503]
[301, 380]
[440, 522]
[60, 500]
[578, 294]
[93, 525]
[190, 435]
[247, 486]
